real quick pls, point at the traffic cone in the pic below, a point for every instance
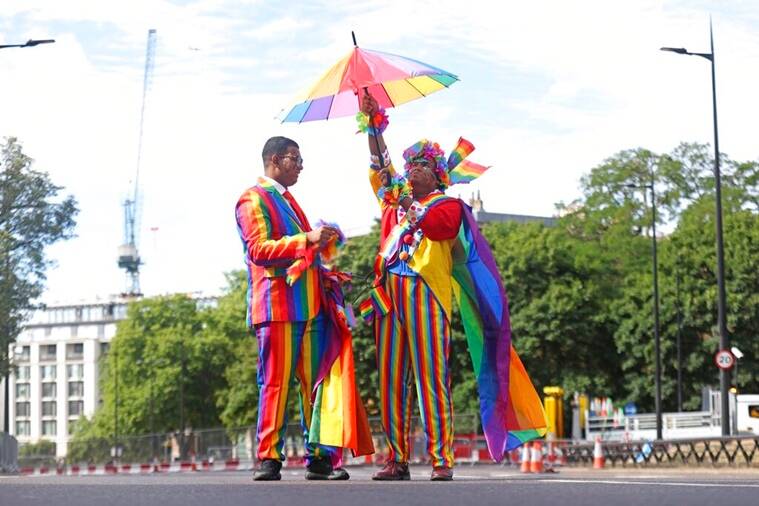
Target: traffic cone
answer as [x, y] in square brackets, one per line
[536, 463]
[526, 458]
[598, 455]
[551, 457]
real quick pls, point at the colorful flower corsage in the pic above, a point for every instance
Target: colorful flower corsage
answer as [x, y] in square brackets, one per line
[376, 126]
[397, 191]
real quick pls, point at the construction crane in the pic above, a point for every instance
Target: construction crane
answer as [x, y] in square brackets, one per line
[129, 257]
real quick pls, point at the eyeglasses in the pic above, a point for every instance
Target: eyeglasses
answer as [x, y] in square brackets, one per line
[297, 159]
[421, 163]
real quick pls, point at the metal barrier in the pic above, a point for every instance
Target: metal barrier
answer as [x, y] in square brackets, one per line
[737, 451]
[8, 453]
[239, 445]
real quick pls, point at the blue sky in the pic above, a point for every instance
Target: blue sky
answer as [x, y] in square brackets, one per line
[548, 90]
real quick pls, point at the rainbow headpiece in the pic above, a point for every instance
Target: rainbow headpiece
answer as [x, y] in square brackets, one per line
[452, 171]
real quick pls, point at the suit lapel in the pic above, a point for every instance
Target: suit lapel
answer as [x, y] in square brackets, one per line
[282, 203]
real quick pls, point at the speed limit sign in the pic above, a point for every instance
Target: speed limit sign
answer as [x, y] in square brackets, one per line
[724, 359]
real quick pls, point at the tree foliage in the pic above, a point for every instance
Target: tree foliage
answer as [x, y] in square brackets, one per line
[32, 217]
[163, 371]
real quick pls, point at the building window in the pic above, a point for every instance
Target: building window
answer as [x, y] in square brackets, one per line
[23, 409]
[104, 347]
[72, 425]
[75, 371]
[76, 389]
[49, 408]
[76, 408]
[48, 372]
[74, 351]
[23, 372]
[49, 390]
[23, 428]
[22, 390]
[47, 352]
[24, 355]
[49, 427]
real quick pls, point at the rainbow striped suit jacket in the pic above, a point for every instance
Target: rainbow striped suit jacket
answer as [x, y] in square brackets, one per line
[273, 238]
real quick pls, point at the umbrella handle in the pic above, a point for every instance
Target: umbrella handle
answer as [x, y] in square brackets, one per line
[376, 140]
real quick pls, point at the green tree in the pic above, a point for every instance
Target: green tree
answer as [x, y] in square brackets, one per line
[612, 224]
[32, 217]
[163, 371]
[238, 399]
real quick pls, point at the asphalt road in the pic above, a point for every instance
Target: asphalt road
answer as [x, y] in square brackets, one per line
[480, 485]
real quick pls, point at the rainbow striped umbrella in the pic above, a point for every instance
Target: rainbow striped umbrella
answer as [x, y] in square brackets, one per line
[391, 79]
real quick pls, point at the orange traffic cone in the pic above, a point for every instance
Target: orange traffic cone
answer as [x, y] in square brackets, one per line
[551, 457]
[598, 455]
[526, 458]
[536, 463]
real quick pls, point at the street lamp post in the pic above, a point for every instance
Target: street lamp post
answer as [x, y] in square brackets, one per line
[657, 338]
[6, 401]
[116, 405]
[724, 380]
[17, 350]
[679, 344]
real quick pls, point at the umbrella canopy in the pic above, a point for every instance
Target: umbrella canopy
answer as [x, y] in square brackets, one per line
[391, 79]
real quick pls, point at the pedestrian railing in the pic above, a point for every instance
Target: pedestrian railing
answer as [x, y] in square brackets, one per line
[735, 451]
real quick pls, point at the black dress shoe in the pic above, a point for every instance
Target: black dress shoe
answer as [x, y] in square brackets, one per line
[319, 468]
[339, 474]
[269, 471]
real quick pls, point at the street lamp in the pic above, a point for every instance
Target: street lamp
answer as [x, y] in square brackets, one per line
[721, 304]
[657, 340]
[6, 402]
[29, 43]
[17, 350]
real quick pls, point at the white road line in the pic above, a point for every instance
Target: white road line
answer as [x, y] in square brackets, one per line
[660, 483]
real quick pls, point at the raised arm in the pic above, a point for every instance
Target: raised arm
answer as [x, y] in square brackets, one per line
[382, 170]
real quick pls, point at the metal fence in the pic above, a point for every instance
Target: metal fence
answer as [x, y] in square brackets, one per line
[8, 453]
[734, 451]
[224, 445]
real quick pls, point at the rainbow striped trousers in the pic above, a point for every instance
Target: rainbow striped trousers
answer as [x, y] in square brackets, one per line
[415, 336]
[286, 351]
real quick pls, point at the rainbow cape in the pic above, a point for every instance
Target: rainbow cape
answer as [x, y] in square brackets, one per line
[510, 408]
[339, 418]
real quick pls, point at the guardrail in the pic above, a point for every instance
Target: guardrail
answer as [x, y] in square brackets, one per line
[643, 426]
[8, 453]
[735, 451]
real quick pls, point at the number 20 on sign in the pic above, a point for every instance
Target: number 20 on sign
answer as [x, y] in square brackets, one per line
[724, 359]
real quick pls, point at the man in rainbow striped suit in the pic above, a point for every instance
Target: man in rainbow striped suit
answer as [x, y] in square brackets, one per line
[430, 250]
[288, 320]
